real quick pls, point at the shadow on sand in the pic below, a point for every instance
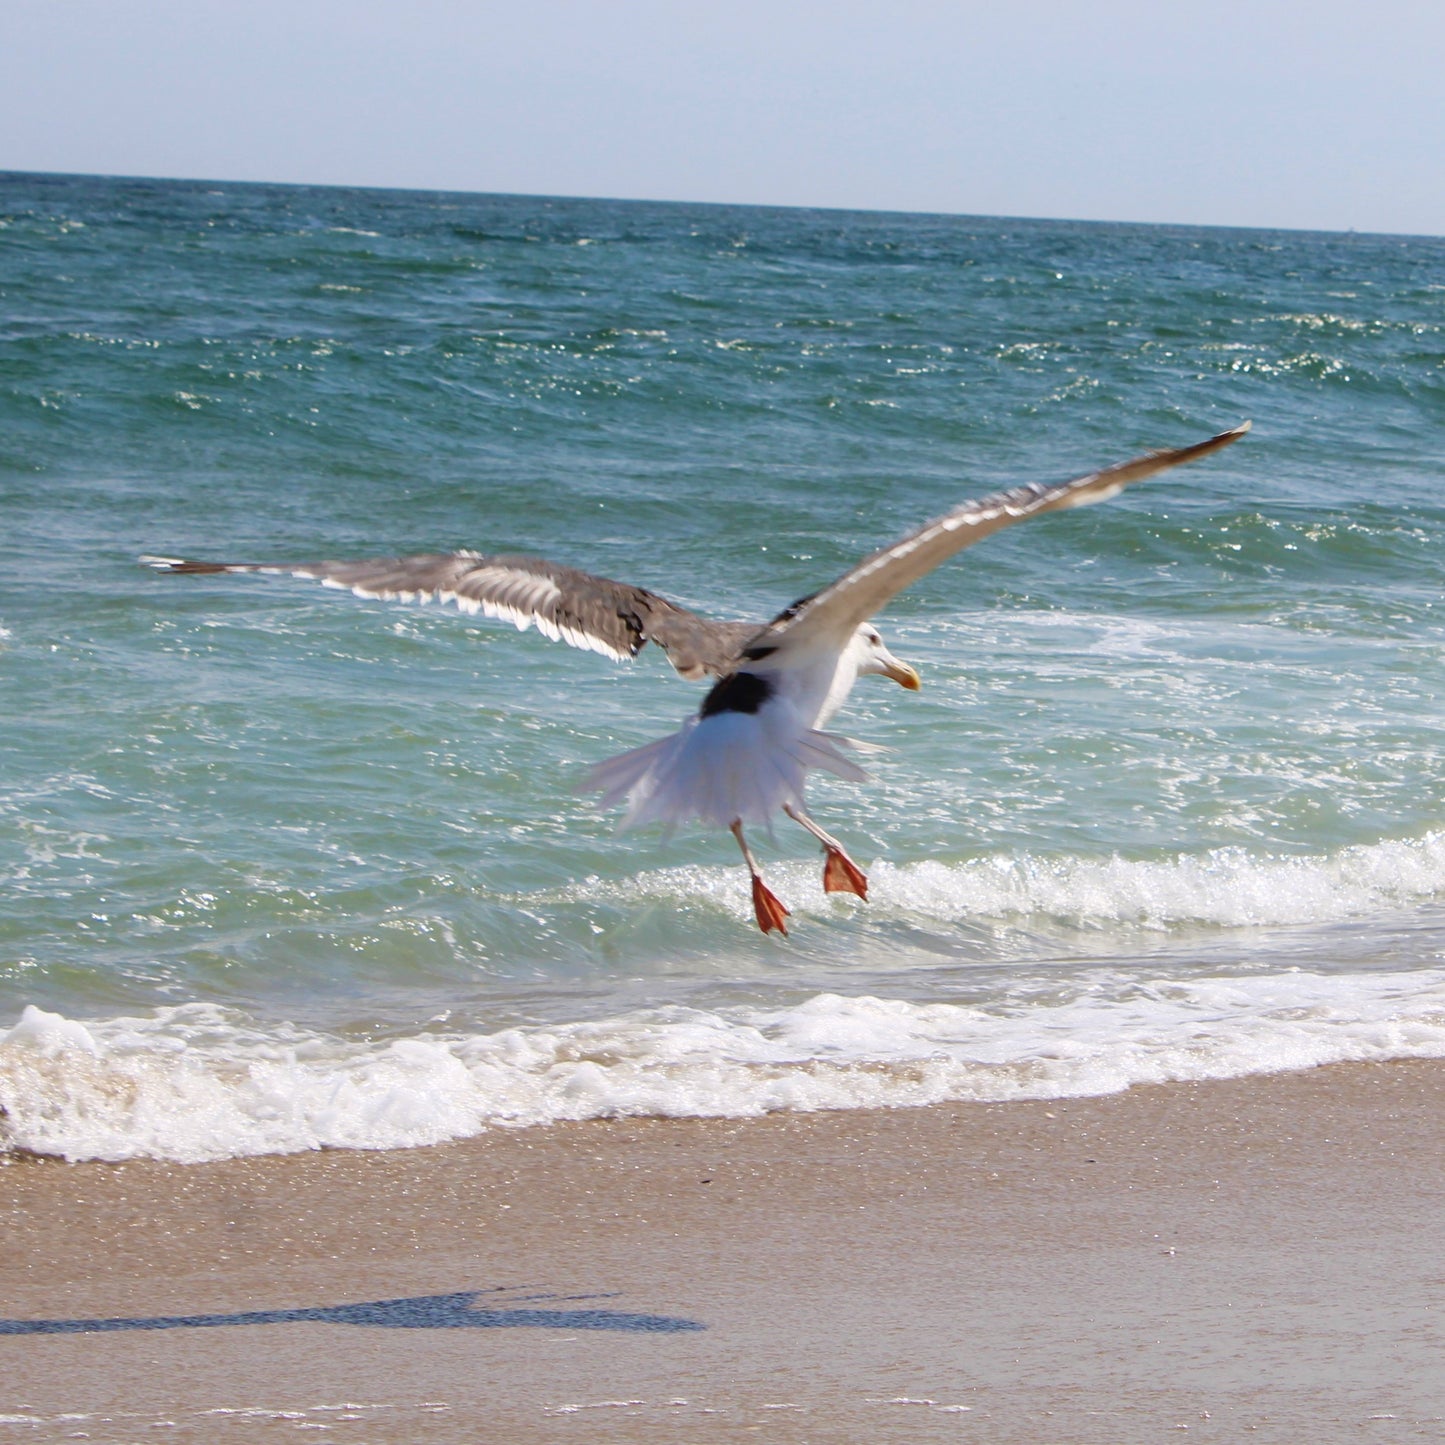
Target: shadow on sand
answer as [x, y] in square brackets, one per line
[423, 1312]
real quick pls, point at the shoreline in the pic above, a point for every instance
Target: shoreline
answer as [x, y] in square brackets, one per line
[1255, 1255]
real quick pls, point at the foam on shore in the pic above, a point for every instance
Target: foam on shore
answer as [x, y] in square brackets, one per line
[197, 1082]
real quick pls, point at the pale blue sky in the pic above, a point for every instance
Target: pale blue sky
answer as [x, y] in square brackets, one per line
[1323, 115]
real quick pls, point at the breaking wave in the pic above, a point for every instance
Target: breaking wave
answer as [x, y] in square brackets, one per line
[196, 1083]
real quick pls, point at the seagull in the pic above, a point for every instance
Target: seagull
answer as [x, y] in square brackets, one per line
[746, 754]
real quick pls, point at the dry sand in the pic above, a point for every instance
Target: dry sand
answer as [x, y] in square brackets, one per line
[1259, 1259]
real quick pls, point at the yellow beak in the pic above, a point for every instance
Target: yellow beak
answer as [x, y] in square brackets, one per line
[903, 675]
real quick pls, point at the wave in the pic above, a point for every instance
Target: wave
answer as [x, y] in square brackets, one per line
[196, 1082]
[1223, 888]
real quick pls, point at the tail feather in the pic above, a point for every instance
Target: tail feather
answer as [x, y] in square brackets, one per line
[718, 770]
[825, 750]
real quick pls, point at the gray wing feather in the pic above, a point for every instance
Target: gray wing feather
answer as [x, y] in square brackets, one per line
[840, 607]
[593, 613]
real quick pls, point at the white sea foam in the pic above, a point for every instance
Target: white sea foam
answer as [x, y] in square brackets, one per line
[195, 1083]
[1224, 888]
[1228, 887]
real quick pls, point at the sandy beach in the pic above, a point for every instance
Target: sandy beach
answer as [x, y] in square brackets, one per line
[1259, 1258]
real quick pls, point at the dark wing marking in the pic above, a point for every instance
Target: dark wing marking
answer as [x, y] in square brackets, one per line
[840, 607]
[593, 613]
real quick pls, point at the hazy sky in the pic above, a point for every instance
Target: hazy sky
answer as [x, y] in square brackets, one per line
[1325, 115]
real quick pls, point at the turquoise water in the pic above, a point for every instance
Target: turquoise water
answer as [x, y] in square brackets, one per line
[282, 868]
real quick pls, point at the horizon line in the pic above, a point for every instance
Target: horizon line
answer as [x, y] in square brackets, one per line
[547, 196]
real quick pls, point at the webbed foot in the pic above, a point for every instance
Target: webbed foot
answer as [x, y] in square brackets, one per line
[842, 875]
[770, 911]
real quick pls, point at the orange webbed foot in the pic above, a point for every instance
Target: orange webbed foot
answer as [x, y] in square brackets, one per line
[842, 875]
[770, 912]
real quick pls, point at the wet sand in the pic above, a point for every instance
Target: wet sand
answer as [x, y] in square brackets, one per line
[1257, 1259]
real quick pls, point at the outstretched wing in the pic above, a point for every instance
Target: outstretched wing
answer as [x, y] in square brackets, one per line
[839, 608]
[593, 613]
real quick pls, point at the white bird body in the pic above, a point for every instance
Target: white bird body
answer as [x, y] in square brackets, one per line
[746, 755]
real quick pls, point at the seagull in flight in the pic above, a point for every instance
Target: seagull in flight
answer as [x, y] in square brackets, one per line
[747, 752]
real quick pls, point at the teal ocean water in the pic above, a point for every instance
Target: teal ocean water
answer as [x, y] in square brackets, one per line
[282, 869]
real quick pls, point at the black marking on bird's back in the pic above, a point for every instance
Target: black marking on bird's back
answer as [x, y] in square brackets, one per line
[759, 651]
[738, 692]
[792, 610]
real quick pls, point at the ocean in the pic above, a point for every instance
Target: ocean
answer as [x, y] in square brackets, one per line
[281, 869]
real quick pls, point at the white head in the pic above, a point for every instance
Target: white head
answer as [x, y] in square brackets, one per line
[820, 683]
[873, 657]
